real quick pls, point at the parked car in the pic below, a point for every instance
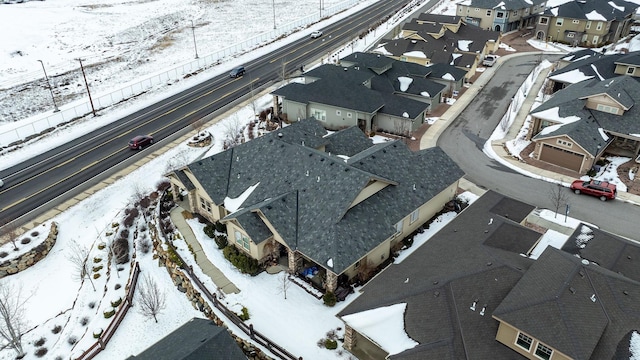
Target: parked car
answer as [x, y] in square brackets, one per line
[237, 72]
[316, 34]
[602, 189]
[489, 60]
[140, 141]
[1, 183]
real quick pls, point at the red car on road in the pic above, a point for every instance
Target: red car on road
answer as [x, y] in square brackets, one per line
[140, 141]
[602, 189]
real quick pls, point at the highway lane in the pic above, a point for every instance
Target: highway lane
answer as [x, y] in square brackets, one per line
[57, 173]
[464, 139]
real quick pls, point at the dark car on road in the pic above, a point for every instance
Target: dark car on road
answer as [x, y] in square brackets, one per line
[140, 141]
[237, 72]
[602, 189]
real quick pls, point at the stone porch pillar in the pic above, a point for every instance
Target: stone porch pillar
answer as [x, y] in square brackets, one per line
[295, 261]
[331, 282]
[349, 338]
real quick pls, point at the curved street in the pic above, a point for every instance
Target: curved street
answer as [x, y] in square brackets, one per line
[467, 134]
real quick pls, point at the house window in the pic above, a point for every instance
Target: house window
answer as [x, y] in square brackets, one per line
[499, 14]
[515, 13]
[564, 143]
[543, 21]
[414, 216]
[204, 204]
[526, 11]
[570, 35]
[543, 352]
[338, 113]
[357, 265]
[242, 240]
[599, 26]
[319, 114]
[477, 9]
[631, 70]
[595, 39]
[399, 227]
[459, 9]
[488, 12]
[524, 341]
[349, 115]
[559, 21]
[588, 25]
[575, 21]
[607, 109]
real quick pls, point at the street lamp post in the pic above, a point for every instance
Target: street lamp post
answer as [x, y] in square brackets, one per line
[55, 106]
[93, 109]
[193, 31]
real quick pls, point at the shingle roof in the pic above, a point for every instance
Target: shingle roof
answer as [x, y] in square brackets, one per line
[438, 71]
[432, 49]
[185, 179]
[446, 275]
[597, 66]
[607, 250]
[572, 305]
[593, 9]
[504, 4]
[195, 340]
[305, 193]
[581, 309]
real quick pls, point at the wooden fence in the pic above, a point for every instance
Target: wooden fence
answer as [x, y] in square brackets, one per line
[256, 336]
[117, 318]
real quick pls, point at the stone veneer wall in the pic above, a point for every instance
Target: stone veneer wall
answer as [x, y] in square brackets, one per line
[30, 258]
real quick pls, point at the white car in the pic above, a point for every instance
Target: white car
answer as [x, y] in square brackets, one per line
[1, 183]
[489, 60]
[316, 34]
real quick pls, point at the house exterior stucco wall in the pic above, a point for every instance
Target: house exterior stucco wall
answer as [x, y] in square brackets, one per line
[508, 335]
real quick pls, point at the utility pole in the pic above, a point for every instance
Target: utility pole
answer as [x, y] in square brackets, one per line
[55, 106]
[193, 31]
[274, 14]
[93, 109]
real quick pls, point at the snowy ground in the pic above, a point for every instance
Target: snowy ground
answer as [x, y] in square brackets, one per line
[55, 297]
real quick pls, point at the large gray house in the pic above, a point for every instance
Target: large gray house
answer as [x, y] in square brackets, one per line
[335, 202]
[370, 91]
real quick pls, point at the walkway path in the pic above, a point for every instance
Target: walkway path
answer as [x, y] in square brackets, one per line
[202, 261]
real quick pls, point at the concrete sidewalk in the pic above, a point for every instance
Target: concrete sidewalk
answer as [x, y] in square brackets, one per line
[430, 137]
[202, 261]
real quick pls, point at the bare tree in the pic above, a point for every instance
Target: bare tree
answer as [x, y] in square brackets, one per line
[232, 129]
[78, 255]
[9, 232]
[402, 127]
[151, 299]
[12, 320]
[197, 124]
[284, 282]
[557, 197]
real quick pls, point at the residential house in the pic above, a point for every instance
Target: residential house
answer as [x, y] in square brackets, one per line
[195, 340]
[473, 292]
[587, 64]
[500, 15]
[585, 120]
[589, 23]
[450, 76]
[370, 91]
[440, 39]
[333, 202]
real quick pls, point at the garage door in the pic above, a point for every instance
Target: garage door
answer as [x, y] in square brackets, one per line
[566, 159]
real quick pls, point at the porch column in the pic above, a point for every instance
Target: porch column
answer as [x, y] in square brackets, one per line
[332, 281]
[349, 338]
[295, 260]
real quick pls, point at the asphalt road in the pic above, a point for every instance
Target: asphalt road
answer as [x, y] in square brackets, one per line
[48, 179]
[464, 139]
